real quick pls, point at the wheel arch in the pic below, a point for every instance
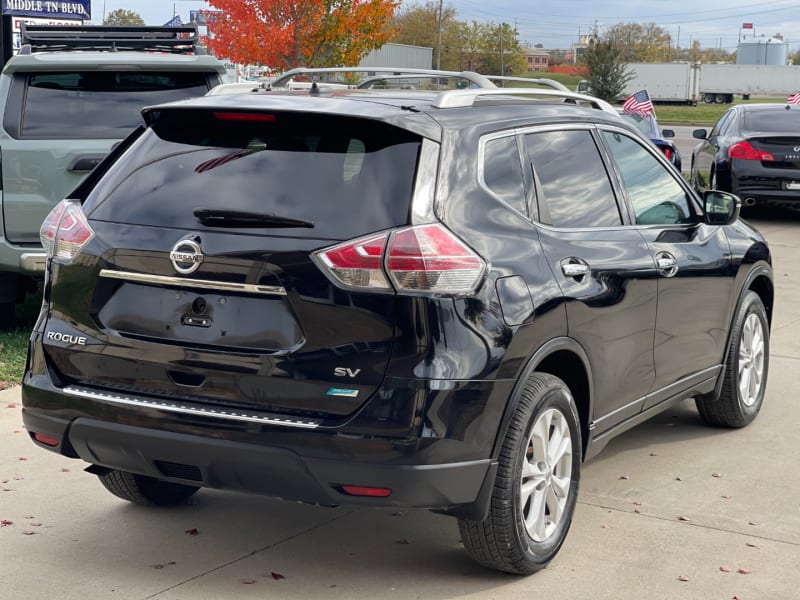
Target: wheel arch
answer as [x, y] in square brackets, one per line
[566, 359]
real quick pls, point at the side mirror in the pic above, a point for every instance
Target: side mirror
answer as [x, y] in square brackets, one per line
[721, 208]
[667, 133]
[700, 134]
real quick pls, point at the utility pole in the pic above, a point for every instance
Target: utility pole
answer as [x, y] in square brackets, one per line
[439, 41]
[502, 52]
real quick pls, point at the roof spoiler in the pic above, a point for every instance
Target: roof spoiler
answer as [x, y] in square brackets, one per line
[176, 40]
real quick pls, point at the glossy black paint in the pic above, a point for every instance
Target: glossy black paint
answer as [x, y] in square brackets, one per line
[775, 182]
[438, 377]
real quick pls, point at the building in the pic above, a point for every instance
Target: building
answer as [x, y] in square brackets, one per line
[537, 59]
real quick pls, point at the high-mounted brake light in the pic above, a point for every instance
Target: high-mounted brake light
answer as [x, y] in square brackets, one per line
[243, 116]
[65, 231]
[423, 259]
[745, 151]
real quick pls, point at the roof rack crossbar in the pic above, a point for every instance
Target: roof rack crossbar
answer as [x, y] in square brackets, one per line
[475, 78]
[464, 98]
[42, 38]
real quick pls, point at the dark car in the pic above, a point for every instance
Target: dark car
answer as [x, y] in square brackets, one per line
[648, 125]
[437, 300]
[753, 151]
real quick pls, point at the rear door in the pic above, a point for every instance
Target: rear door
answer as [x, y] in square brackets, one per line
[200, 282]
[57, 126]
[605, 270]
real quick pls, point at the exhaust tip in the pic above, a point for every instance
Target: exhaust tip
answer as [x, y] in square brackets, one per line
[749, 201]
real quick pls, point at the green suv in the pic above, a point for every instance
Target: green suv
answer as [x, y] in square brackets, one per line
[66, 99]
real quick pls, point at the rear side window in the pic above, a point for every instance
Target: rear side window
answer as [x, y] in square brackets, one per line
[772, 121]
[502, 172]
[572, 186]
[342, 176]
[98, 104]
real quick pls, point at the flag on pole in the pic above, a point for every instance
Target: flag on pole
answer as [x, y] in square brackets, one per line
[638, 104]
[174, 22]
[793, 99]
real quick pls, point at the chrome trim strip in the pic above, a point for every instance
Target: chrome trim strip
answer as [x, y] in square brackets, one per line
[188, 409]
[224, 286]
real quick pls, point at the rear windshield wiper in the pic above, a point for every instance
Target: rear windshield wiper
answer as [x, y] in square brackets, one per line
[238, 218]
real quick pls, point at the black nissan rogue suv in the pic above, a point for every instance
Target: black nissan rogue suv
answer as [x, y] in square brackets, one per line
[402, 298]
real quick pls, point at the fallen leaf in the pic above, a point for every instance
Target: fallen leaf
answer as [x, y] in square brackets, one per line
[12, 405]
[683, 578]
[624, 476]
[16, 431]
[686, 519]
[192, 531]
[29, 517]
[22, 458]
[6, 523]
[750, 545]
[752, 523]
[717, 475]
[28, 532]
[744, 571]
[172, 562]
[603, 526]
[64, 470]
[277, 576]
[726, 497]
[726, 569]
[247, 581]
[678, 479]
[637, 510]
[637, 503]
[35, 524]
[653, 454]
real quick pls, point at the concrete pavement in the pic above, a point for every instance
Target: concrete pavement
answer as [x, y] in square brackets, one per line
[664, 511]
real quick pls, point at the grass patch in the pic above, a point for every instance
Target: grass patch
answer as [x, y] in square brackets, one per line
[14, 343]
[702, 114]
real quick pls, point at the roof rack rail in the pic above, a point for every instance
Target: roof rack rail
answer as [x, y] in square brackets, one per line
[464, 98]
[176, 40]
[551, 83]
[476, 79]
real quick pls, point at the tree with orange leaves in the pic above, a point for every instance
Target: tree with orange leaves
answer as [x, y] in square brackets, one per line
[291, 33]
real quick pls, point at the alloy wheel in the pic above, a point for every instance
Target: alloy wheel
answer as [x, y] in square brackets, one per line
[751, 360]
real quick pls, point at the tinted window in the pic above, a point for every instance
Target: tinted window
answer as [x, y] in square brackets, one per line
[643, 124]
[346, 176]
[652, 190]
[772, 121]
[721, 124]
[502, 171]
[99, 104]
[572, 185]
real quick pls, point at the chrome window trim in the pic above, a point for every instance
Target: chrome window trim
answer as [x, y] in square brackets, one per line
[180, 282]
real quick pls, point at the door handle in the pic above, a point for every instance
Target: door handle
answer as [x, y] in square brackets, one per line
[573, 267]
[666, 264]
[85, 163]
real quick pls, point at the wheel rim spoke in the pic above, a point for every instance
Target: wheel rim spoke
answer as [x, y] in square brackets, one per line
[546, 475]
[751, 360]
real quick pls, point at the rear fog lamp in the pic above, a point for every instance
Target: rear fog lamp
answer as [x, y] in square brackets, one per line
[361, 490]
[45, 439]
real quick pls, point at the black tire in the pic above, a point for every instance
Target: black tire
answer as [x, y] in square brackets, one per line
[735, 407]
[502, 541]
[144, 490]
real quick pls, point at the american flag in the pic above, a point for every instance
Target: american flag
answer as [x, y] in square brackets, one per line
[638, 104]
[793, 99]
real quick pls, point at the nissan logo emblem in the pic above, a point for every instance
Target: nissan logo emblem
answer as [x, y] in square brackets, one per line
[186, 256]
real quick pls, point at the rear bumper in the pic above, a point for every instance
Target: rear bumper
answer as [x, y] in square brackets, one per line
[272, 471]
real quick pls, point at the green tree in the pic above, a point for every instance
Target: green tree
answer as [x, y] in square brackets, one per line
[503, 53]
[641, 42]
[794, 58]
[123, 17]
[418, 25]
[608, 72]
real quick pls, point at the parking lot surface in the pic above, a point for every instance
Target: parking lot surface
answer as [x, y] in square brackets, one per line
[671, 509]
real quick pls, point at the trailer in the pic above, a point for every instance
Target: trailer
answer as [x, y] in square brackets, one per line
[711, 83]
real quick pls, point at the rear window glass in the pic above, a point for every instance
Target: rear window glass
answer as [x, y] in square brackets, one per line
[344, 176]
[99, 104]
[772, 121]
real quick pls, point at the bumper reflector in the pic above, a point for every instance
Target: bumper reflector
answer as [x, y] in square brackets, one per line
[361, 490]
[45, 439]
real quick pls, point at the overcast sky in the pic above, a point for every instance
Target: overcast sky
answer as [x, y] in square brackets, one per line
[556, 24]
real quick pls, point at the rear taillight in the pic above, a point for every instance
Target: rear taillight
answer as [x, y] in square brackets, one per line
[745, 151]
[424, 259]
[65, 231]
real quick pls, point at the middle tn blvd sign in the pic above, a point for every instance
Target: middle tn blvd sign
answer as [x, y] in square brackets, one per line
[49, 9]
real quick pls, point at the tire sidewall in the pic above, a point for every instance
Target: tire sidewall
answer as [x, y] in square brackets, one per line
[559, 398]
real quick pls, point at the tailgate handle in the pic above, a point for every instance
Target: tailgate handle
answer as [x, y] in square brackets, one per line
[85, 163]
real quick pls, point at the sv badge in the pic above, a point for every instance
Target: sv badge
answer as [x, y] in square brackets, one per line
[345, 372]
